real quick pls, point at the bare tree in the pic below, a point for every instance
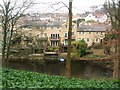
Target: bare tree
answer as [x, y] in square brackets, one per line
[12, 11]
[114, 11]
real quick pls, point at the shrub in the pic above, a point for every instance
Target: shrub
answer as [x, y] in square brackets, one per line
[79, 47]
[50, 48]
[56, 49]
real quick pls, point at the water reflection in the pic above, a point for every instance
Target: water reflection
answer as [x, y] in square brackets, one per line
[80, 69]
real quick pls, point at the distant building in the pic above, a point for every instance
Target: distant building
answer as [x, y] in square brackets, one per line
[90, 17]
[101, 18]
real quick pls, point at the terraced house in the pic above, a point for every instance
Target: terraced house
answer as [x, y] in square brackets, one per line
[56, 32]
[92, 32]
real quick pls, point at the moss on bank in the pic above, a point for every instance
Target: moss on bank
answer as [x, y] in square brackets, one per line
[24, 79]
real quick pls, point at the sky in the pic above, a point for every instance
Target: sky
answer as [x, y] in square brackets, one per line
[79, 6]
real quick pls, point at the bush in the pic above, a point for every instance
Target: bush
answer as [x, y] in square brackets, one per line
[79, 47]
[56, 49]
[50, 48]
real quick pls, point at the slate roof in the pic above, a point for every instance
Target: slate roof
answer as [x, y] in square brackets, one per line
[92, 28]
[43, 24]
[55, 24]
[34, 24]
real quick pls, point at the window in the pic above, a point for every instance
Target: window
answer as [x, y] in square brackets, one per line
[55, 36]
[72, 33]
[79, 32]
[96, 39]
[66, 42]
[51, 27]
[53, 43]
[65, 26]
[101, 40]
[89, 32]
[97, 33]
[101, 33]
[37, 36]
[73, 26]
[83, 33]
[88, 40]
[58, 27]
[45, 34]
[65, 34]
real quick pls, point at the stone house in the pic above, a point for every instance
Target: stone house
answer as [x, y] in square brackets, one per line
[56, 32]
[92, 33]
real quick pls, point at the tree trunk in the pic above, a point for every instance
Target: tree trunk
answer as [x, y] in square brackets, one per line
[3, 50]
[68, 61]
[9, 44]
[5, 28]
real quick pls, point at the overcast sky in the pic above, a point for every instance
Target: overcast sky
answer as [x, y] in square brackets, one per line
[79, 6]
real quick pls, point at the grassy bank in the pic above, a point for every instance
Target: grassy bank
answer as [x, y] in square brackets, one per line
[24, 79]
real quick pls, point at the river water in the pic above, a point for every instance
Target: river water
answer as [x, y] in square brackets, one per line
[79, 69]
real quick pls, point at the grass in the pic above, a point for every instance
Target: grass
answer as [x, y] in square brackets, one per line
[24, 79]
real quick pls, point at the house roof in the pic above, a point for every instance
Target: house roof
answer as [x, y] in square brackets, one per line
[34, 24]
[55, 24]
[93, 28]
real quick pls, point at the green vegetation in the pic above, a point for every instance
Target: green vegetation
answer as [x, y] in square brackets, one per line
[50, 48]
[24, 79]
[56, 49]
[79, 21]
[53, 49]
[79, 47]
[96, 56]
[90, 21]
[53, 56]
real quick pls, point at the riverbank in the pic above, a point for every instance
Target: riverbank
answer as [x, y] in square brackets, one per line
[24, 79]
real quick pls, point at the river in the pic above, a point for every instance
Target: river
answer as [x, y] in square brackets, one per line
[79, 69]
